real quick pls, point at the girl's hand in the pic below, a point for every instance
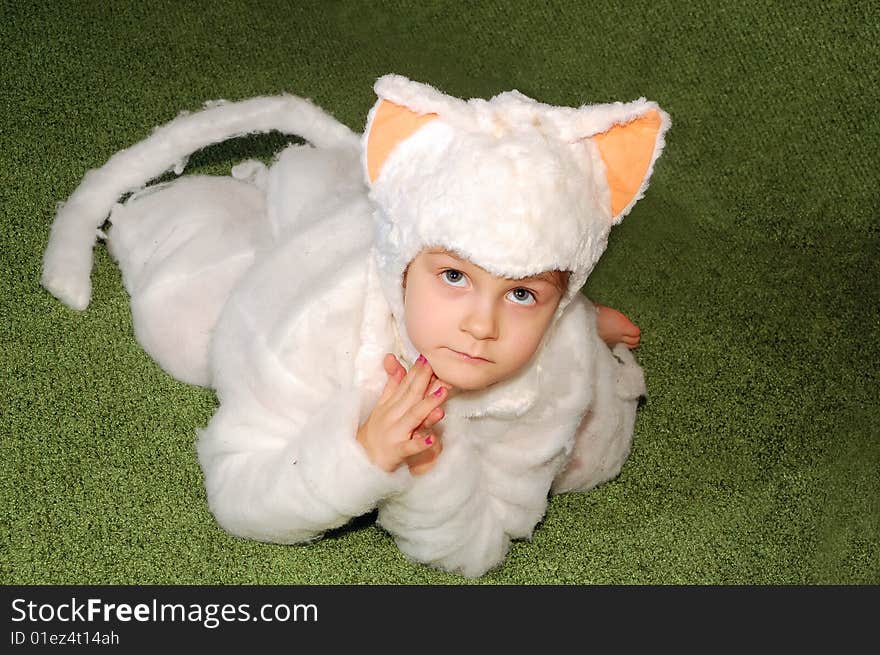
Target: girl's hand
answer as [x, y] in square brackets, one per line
[398, 428]
[614, 327]
[425, 460]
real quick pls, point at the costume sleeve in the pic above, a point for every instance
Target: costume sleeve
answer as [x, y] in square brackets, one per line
[280, 457]
[445, 519]
[289, 476]
[462, 514]
[604, 437]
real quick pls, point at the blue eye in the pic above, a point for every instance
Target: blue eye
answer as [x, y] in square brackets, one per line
[522, 296]
[454, 278]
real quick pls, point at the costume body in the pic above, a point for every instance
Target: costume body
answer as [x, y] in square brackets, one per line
[288, 310]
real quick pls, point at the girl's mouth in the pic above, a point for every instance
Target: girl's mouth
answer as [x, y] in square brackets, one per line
[467, 358]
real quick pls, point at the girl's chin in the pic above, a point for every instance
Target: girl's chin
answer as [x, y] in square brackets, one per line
[458, 380]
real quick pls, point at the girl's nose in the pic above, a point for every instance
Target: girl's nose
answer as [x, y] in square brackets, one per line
[480, 322]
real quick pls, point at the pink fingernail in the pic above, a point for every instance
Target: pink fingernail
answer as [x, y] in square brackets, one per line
[439, 392]
[429, 440]
[421, 359]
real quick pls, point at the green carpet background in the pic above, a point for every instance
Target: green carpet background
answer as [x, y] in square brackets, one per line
[751, 267]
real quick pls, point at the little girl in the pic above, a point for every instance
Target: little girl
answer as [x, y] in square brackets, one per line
[390, 321]
[482, 313]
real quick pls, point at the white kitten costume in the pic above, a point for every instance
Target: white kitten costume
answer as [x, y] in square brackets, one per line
[281, 288]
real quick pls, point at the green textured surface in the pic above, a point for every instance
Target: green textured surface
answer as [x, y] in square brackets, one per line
[751, 266]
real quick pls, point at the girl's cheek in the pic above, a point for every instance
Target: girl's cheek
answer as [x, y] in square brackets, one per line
[527, 329]
[423, 316]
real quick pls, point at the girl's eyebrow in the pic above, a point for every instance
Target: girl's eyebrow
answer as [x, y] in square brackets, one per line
[546, 276]
[441, 251]
[446, 253]
[541, 277]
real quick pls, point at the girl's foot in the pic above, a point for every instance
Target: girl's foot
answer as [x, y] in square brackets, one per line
[615, 328]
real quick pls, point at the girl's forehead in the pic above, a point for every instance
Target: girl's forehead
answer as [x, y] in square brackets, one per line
[545, 276]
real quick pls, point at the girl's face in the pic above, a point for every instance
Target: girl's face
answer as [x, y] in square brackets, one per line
[475, 329]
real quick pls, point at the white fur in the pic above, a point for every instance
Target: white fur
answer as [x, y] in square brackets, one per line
[281, 290]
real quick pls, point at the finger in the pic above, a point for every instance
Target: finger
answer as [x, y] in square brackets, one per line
[418, 375]
[631, 342]
[392, 365]
[435, 384]
[423, 462]
[395, 373]
[432, 419]
[419, 412]
[390, 387]
[415, 446]
[421, 375]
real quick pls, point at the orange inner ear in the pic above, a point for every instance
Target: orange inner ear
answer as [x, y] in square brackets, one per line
[391, 124]
[627, 151]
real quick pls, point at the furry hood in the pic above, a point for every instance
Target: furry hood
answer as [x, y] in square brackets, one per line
[513, 185]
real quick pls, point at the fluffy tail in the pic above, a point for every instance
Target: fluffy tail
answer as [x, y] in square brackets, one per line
[67, 262]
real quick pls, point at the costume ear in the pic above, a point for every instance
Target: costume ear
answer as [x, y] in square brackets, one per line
[629, 151]
[390, 125]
